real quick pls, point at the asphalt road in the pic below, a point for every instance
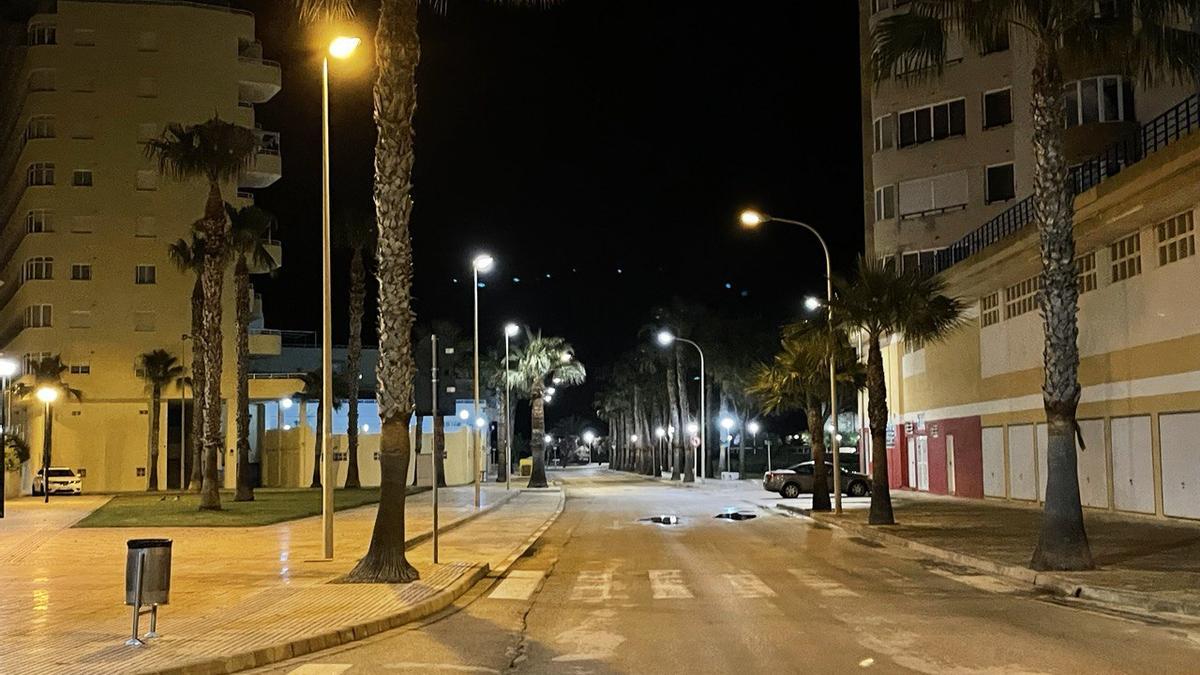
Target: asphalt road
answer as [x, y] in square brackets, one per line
[604, 592]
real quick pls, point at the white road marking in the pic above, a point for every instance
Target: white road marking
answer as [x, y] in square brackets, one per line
[746, 585]
[592, 587]
[831, 589]
[668, 585]
[438, 667]
[321, 669]
[591, 640]
[980, 582]
[517, 585]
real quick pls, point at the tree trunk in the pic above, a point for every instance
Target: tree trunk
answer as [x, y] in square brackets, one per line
[397, 52]
[155, 422]
[418, 440]
[1063, 544]
[820, 494]
[502, 442]
[199, 385]
[213, 227]
[537, 441]
[684, 450]
[241, 283]
[358, 293]
[877, 411]
[439, 447]
[320, 434]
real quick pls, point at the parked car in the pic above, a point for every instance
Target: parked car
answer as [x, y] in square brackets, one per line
[798, 478]
[62, 480]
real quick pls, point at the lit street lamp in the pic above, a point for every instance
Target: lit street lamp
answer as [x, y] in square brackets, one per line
[46, 395]
[481, 263]
[752, 219]
[666, 339]
[727, 424]
[510, 331]
[753, 427]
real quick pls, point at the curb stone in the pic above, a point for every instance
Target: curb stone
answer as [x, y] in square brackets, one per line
[508, 562]
[1057, 584]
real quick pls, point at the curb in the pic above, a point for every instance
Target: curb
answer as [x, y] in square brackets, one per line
[508, 562]
[1055, 583]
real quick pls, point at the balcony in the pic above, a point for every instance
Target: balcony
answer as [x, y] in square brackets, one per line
[265, 342]
[258, 79]
[268, 166]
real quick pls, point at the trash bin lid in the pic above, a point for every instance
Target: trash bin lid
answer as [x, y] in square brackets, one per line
[149, 543]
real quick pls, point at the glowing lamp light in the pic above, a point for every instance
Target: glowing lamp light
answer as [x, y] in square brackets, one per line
[556, 380]
[366, 428]
[812, 303]
[47, 394]
[511, 329]
[726, 423]
[753, 427]
[565, 357]
[751, 218]
[8, 368]
[464, 415]
[483, 262]
[286, 403]
[287, 427]
[588, 437]
[343, 46]
[548, 438]
[633, 438]
[665, 338]
[692, 427]
[660, 432]
[480, 422]
[550, 391]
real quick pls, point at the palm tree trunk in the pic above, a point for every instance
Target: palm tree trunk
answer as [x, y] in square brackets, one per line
[213, 281]
[439, 447]
[1063, 544]
[155, 421]
[320, 434]
[877, 411]
[537, 442]
[358, 293]
[199, 385]
[397, 53]
[820, 494]
[502, 443]
[684, 450]
[241, 284]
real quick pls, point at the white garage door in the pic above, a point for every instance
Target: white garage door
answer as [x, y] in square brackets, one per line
[993, 462]
[1179, 438]
[1132, 464]
[1021, 462]
[1042, 432]
[1093, 466]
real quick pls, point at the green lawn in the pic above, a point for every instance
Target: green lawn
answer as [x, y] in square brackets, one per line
[180, 510]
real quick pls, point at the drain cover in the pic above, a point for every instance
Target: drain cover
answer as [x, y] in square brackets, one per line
[662, 520]
[736, 515]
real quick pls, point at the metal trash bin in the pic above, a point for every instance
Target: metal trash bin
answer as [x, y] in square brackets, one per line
[147, 582]
[526, 466]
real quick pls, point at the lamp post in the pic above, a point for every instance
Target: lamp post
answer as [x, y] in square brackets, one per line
[8, 368]
[589, 437]
[510, 330]
[284, 404]
[666, 339]
[46, 395]
[183, 414]
[752, 219]
[481, 263]
[659, 433]
[753, 427]
[339, 48]
[727, 424]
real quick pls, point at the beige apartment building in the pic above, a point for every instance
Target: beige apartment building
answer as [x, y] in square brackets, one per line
[967, 414]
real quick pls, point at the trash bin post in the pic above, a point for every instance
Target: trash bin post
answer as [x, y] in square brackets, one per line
[134, 641]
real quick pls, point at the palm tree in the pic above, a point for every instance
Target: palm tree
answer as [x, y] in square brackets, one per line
[188, 256]
[313, 382]
[217, 152]
[397, 53]
[159, 368]
[1148, 37]
[879, 304]
[532, 367]
[249, 236]
[46, 372]
[356, 233]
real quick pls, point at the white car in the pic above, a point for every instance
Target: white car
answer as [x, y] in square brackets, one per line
[62, 480]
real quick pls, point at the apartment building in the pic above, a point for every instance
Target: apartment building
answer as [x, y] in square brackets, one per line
[86, 218]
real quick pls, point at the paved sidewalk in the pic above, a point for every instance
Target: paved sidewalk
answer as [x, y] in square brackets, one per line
[1141, 562]
[256, 592]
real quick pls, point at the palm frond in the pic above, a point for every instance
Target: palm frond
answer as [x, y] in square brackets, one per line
[215, 150]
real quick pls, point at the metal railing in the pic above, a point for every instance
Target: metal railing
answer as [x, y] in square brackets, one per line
[268, 142]
[1177, 122]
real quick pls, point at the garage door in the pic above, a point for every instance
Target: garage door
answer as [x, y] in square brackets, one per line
[1179, 438]
[1093, 465]
[993, 462]
[1021, 462]
[1132, 464]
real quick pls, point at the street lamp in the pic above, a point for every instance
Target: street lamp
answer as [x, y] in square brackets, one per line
[510, 331]
[8, 368]
[727, 424]
[481, 263]
[666, 338]
[812, 303]
[754, 427]
[342, 47]
[752, 219]
[46, 395]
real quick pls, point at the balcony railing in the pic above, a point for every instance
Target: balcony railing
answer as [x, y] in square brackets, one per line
[1158, 133]
[268, 142]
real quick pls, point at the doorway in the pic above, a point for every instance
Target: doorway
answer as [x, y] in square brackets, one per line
[174, 423]
[912, 462]
[950, 488]
[923, 463]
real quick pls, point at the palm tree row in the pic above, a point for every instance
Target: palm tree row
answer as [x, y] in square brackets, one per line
[541, 362]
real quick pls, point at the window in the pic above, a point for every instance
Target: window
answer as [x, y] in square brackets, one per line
[1176, 238]
[885, 203]
[39, 126]
[38, 316]
[148, 42]
[878, 6]
[989, 310]
[933, 123]
[147, 131]
[84, 129]
[37, 221]
[1126, 255]
[932, 194]
[996, 43]
[83, 224]
[80, 319]
[42, 34]
[31, 360]
[147, 179]
[1085, 269]
[143, 322]
[37, 269]
[41, 79]
[1000, 184]
[85, 37]
[81, 272]
[82, 178]
[147, 87]
[144, 227]
[40, 173]
[1107, 98]
[81, 369]
[997, 108]
[144, 275]
[919, 262]
[1021, 298]
[884, 129]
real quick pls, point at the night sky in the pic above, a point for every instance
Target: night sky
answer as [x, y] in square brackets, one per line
[600, 150]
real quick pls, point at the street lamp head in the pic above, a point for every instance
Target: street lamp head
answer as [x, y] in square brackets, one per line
[692, 427]
[726, 423]
[812, 303]
[511, 329]
[47, 394]
[464, 415]
[548, 438]
[665, 338]
[633, 438]
[343, 46]
[556, 380]
[589, 436]
[550, 391]
[285, 403]
[483, 262]
[8, 368]
[660, 432]
[751, 218]
[480, 422]
[753, 427]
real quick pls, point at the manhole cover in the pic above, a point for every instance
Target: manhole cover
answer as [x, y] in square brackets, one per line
[736, 515]
[662, 520]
